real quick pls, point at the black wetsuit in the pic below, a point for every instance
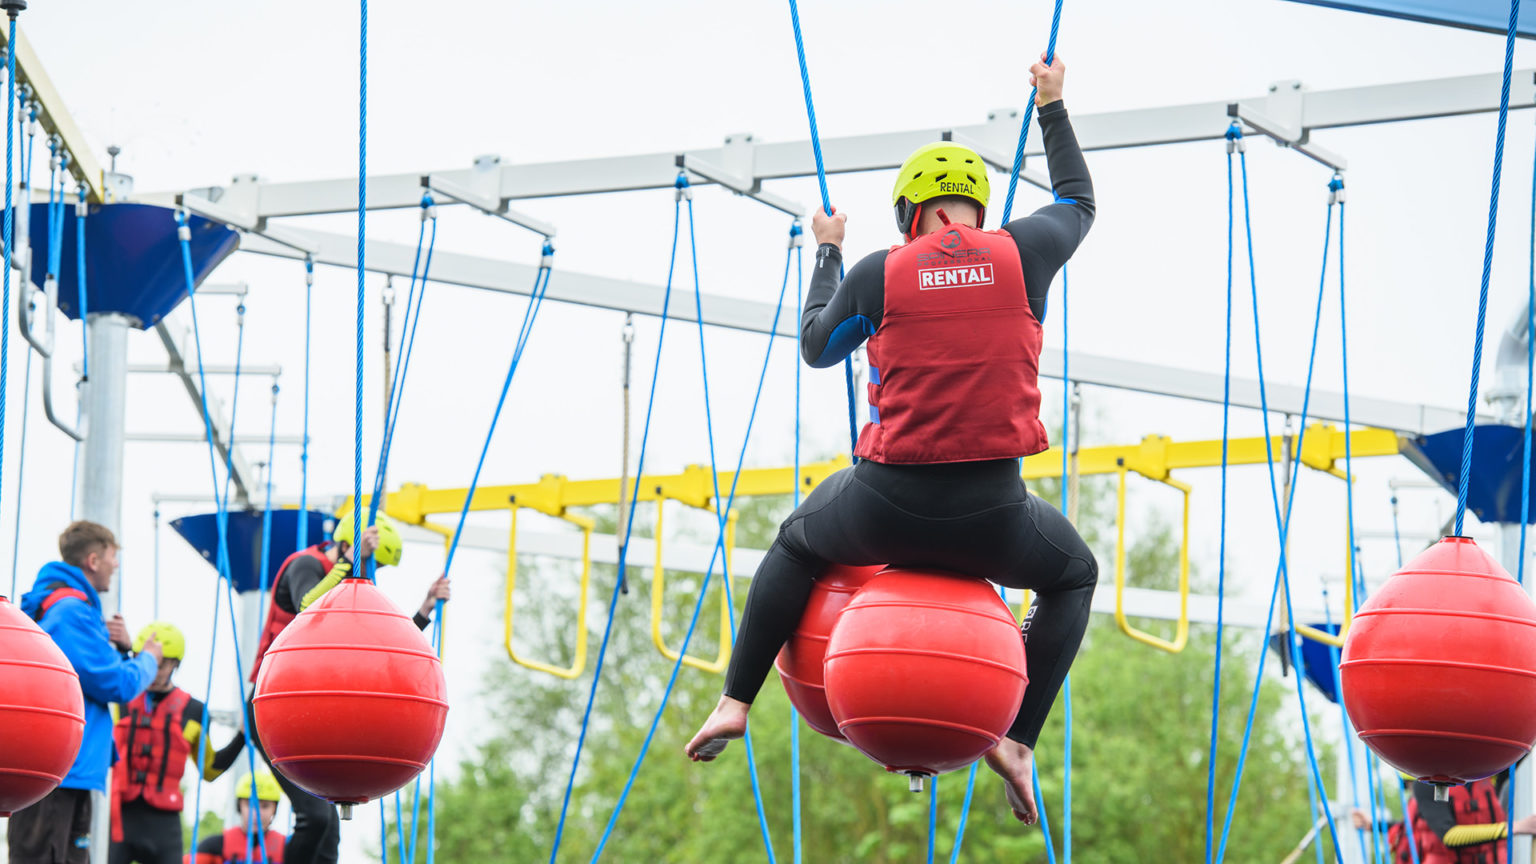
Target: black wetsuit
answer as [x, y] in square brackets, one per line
[316, 824]
[968, 517]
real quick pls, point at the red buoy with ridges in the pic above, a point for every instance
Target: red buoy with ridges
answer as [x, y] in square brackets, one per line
[1438, 672]
[800, 661]
[351, 702]
[925, 670]
[42, 712]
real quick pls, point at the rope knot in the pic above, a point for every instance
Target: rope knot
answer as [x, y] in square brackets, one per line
[1235, 141]
[684, 188]
[1336, 190]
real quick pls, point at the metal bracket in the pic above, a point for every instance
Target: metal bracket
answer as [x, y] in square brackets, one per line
[738, 174]
[1296, 137]
[44, 349]
[488, 204]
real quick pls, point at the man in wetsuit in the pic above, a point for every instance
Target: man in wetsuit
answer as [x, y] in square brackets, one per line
[953, 322]
[301, 581]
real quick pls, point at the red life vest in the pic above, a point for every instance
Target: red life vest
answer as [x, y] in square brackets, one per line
[59, 593]
[153, 751]
[954, 366]
[234, 847]
[233, 851]
[278, 617]
[1476, 803]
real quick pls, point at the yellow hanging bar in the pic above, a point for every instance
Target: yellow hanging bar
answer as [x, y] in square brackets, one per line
[1181, 632]
[658, 594]
[1324, 636]
[579, 662]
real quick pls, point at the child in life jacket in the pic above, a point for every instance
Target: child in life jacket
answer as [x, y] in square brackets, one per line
[265, 845]
[1471, 827]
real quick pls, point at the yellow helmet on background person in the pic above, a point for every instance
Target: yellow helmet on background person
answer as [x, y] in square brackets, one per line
[934, 171]
[173, 645]
[391, 547]
[261, 785]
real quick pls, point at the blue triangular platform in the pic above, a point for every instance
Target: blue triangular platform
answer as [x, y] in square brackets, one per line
[1494, 493]
[1316, 660]
[132, 258]
[244, 541]
[1489, 16]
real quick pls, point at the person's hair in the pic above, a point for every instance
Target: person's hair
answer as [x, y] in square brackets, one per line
[82, 538]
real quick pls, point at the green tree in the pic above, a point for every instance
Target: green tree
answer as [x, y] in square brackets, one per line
[1141, 728]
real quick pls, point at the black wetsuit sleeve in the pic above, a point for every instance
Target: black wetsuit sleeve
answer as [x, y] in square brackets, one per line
[211, 845]
[298, 578]
[229, 752]
[839, 316]
[1438, 815]
[1048, 236]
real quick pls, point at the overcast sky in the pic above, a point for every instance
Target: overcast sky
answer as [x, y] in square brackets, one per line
[200, 92]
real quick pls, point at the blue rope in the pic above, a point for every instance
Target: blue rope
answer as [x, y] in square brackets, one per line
[718, 554]
[309, 308]
[1282, 575]
[795, 233]
[1029, 112]
[266, 524]
[403, 355]
[1045, 823]
[362, 224]
[1234, 140]
[1482, 301]
[933, 813]
[1066, 683]
[21, 474]
[602, 651]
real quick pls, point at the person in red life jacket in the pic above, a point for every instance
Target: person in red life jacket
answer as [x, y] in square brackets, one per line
[266, 846]
[1470, 828]
[302, 579]
[65, 601]
[953, 321]
[156, 734]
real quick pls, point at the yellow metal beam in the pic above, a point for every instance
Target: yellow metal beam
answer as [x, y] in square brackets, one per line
[1155, 458]
[55, 118]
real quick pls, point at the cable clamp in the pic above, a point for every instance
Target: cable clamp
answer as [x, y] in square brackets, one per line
[240, 315]
[428, 206]
[796, 235]
[183, 233]
[684, 190]
[547, 255]
[1336, 189]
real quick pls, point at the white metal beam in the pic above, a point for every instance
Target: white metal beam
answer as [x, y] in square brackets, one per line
[174, 337]
[55, 118]
[1293, 111]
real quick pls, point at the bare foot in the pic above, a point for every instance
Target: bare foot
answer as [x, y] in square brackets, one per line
[1013, 762]
[725, 724]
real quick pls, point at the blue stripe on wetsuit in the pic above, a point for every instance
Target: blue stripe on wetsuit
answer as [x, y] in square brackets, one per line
[849, 334]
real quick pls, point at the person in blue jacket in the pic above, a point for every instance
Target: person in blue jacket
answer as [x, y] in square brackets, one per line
[65, 602]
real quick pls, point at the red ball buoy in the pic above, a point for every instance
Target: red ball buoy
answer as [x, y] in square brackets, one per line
[1439, 668]
[41, 711]
[925, 670]
[800, 661]
[350, 703]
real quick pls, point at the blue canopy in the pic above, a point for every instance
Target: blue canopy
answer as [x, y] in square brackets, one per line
[1489, 16]
[243, 535]
[132, 258]
[1494, 492]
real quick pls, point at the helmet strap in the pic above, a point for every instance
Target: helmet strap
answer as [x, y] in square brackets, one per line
[942, 216]
[917, 218]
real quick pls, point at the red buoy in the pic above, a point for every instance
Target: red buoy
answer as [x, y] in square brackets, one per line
[925, 670]
[350, 703]
[1439, 667]
[41, 712]
[800, 661]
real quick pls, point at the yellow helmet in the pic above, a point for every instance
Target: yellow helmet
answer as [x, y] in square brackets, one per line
[391, 547]
[933, 171]
[261, 785]
[173, 645]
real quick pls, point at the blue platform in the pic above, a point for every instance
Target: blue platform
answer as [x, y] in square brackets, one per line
[1494, 491]
[132, 258]
[1316, 660]
[244, 541]
[1489, 16]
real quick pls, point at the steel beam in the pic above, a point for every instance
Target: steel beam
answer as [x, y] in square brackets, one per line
[199, 438]
[174, 337]
[1294, 111]
[55, 119]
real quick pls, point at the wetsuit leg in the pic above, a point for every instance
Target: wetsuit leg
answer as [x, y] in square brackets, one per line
[150, 836]
[974, 518]
[316, 825]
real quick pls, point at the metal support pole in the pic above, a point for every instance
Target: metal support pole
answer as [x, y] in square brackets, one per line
[101, 484]
[622, 529]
